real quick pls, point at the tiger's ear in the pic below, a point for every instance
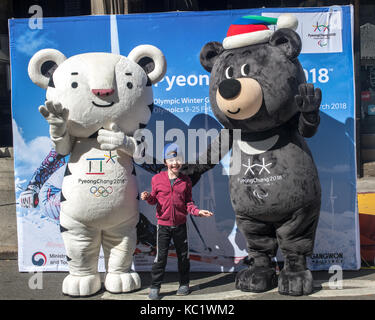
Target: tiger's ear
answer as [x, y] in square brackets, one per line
[43, 64]
[152, 61]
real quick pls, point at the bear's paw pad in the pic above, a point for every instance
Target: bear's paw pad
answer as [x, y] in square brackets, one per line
[295, 283]
[122, 282]
[258, 279]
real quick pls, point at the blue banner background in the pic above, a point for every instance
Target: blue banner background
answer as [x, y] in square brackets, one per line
[180, 36]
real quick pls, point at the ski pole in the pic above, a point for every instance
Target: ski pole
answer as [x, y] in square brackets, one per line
[199, 234]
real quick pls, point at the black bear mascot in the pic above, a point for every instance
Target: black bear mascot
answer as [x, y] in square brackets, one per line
[257, 84]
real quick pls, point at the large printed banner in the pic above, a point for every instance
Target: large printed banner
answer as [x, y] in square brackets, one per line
[181, 101]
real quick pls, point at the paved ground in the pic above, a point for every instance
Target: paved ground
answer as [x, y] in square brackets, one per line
[369, 169]
[366, 185]
[367, 182]
[8, 234]
[356, 285]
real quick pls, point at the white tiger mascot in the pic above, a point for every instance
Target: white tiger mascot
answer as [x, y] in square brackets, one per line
[95, 102]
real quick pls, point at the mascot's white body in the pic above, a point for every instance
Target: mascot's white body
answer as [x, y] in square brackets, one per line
[95, 103]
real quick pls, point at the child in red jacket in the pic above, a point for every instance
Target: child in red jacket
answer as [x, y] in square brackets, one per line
[171, 192]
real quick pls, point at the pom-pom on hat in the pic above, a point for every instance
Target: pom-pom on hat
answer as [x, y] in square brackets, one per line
[249, 30]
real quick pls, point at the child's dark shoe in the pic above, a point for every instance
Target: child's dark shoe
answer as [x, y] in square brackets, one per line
[154, 294]
[183, 290]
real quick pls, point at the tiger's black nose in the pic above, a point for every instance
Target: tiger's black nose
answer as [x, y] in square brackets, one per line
[229, 88]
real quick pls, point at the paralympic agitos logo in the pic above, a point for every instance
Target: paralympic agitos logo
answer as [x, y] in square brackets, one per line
[39, 259]
[322, 28]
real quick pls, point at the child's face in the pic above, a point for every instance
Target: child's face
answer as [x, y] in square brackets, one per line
[174, 164]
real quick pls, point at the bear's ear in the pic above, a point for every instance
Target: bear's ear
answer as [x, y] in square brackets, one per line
[209, 53]
[152, 61]
[43, 64]
[288, 41]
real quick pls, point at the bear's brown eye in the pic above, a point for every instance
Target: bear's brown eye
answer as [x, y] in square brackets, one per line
[245, 69]
[74, 85]
[229, 72]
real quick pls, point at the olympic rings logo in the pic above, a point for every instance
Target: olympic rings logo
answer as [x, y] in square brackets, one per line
[101, 191]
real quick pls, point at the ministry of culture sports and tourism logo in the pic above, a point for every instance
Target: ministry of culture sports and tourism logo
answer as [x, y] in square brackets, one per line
[39, 259]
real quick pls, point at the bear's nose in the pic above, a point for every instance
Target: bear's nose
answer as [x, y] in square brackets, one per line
[103, 92]
[229, 88]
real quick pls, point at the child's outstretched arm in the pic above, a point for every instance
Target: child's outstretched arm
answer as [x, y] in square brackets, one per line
[191, 207]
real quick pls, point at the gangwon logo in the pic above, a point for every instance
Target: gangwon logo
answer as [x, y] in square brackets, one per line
[39, 259]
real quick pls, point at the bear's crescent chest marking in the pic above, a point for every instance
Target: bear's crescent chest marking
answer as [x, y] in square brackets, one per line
[257, 147]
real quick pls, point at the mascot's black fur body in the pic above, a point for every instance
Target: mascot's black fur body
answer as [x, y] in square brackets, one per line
[261, 89]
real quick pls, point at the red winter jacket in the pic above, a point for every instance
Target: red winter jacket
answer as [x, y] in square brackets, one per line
[173, 204]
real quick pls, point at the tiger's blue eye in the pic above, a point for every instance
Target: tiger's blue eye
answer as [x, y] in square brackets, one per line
[74, 85]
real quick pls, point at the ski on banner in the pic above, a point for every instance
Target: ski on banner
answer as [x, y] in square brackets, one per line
[223, 260]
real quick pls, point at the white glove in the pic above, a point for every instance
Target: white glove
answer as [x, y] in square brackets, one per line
[57, 117]
[29, 199]
[115, 139]
[110, 140]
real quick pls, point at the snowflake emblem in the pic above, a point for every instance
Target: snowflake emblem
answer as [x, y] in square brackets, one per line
[263, 166]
